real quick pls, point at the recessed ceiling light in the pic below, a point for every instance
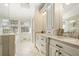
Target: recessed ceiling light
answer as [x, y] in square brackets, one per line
[6, 4]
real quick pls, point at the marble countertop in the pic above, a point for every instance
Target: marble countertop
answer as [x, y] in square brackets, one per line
[8, 34]
[71, 41]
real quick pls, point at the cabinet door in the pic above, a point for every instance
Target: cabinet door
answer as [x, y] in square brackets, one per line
[53, 51]
[5, 45]
[11, 45]
[62, 53]
[38, 41]
[0, 46]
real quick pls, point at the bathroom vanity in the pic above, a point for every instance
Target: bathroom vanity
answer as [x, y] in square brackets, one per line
[7, 45]
[49, 45]
[57, 19]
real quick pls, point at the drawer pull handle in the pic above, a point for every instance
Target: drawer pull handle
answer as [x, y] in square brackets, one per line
[60, 53]
[59, 46]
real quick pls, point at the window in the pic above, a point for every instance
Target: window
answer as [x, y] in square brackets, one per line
[25, 29]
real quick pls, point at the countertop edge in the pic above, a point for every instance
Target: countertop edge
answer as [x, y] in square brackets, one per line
[65, 40]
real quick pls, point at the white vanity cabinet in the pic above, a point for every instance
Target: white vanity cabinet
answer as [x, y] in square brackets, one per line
[59, 48]
[62, 53]
[56, 52]
[53, 51]
[54, 46]
[42, 45]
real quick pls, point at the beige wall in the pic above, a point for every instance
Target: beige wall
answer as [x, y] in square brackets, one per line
[44, 18]
[58, 15]
[38, 22]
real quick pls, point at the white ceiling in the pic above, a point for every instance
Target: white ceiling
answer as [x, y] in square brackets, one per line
[18, 10]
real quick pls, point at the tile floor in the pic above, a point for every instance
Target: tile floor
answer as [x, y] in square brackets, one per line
[26, 48]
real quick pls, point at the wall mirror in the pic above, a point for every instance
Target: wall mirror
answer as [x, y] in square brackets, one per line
[71, 19]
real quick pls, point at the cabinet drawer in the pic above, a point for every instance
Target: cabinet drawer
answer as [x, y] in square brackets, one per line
[63, 53]
[55, 43]
[53, 51]
[43, 41]
[71, 50]
[43, 44]
[43, 48]
[42, 53]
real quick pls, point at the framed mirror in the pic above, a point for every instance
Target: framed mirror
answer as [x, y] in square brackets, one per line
[71, 19]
